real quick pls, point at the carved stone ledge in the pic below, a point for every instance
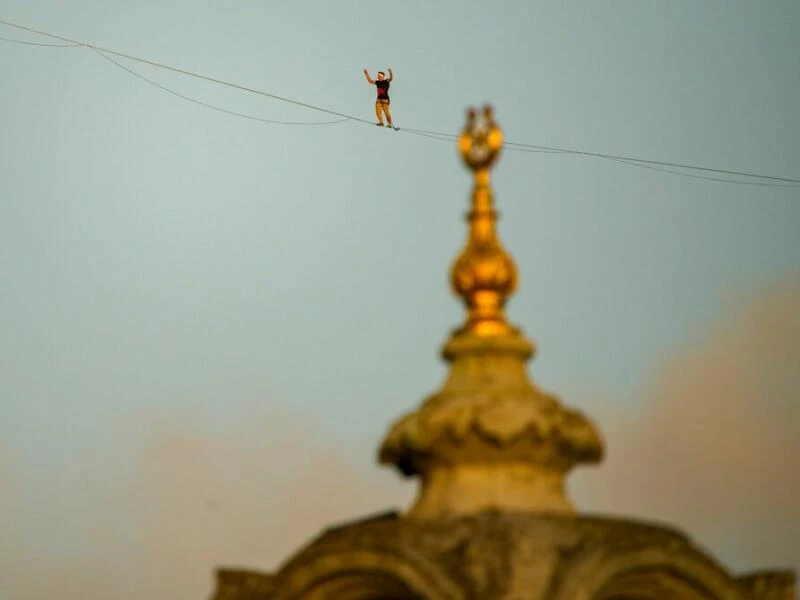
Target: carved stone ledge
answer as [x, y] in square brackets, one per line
[503, 556]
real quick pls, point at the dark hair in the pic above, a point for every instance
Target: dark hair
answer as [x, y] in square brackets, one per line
[381, 73]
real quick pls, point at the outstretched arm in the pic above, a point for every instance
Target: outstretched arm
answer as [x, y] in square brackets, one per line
[370, 79]
[390, 75]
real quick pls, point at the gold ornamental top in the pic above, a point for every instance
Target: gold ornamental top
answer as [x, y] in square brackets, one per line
[489, 439]
[484, 274]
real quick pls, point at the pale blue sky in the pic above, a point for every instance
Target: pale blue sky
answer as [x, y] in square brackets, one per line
[156, 256]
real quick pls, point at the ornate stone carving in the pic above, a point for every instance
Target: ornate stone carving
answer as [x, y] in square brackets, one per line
[508, 556]
[489, 439]
[492, 521]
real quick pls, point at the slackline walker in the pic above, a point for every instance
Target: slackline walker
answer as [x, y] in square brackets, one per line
[382, 109]
[382, 101]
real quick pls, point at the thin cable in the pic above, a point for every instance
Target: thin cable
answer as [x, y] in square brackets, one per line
[439, 134]
[184, 72]
[534, 150]
[706, 177]
[451, 137]
[450, 140]
[510, 145]
[643, 162]
[201, 103]
[627, 159]
[4, 39]
[427, 135]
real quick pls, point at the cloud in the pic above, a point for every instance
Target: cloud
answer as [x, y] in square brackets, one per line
[194, 500]
[713, 450]
[248, 499]
[716, 446]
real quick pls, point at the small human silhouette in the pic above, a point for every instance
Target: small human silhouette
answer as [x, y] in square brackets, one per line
[382, 101]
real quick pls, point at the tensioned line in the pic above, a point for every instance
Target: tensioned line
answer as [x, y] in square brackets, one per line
[662, 166]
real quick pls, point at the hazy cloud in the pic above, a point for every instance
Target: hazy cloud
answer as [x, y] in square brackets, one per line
[715, 448]
[714, 451]
[247, 496]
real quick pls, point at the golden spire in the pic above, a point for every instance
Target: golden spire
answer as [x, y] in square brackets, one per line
[484, 274]
[489, 439]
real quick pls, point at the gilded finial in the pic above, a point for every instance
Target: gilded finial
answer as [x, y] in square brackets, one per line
[488, 439]
[480, 143]
[484, 274]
